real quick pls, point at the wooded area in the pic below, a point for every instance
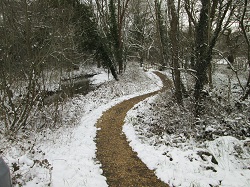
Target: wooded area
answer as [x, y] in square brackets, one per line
[41, 38]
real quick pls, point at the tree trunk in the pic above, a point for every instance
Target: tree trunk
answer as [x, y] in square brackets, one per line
[205, 45]
[201, 46]
[116, 26]
[161, 36]
[243, 28]
[174, 22]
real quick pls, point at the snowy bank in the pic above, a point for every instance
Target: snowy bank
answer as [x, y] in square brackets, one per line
[183, 162]
[66, 156]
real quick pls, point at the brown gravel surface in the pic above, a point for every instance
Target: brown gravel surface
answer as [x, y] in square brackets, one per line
[120, 163]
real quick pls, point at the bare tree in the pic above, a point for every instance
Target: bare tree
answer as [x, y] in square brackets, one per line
[213, 14]
[174, 38]
[161, 33]
[111, 19]
[37, 37]
[244, 28]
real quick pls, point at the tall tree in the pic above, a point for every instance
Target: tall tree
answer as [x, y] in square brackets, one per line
[205, 39]
[136, 31]
[174, 24]
[161, 33]
[244, 28]
[117, 18]
[111, 21]
[92, 39]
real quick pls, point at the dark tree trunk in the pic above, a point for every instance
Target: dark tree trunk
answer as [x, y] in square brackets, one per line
[247, 90]
[160, 34]
[201, 46]
[174, 23]
[205, 43]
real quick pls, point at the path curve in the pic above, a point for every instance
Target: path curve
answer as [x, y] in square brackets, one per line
[120, 163]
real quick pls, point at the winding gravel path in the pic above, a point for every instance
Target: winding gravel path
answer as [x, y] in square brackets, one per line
[120, 164]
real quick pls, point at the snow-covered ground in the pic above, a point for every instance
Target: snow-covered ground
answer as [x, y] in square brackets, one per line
[186, 151]
[183, 162]
[181, 155]
[66, 156]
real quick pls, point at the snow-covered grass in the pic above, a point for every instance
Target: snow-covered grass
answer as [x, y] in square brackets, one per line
[183, 150]
[182, 161]
[65, 155]
[213, 150]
